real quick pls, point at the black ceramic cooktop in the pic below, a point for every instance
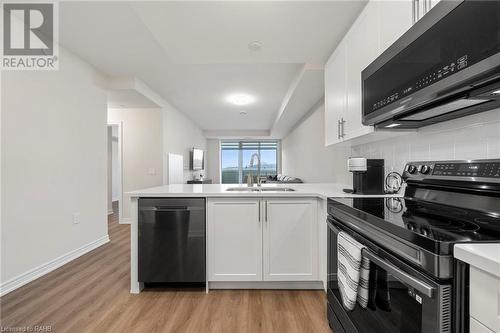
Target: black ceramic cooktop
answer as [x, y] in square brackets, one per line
[426, 224]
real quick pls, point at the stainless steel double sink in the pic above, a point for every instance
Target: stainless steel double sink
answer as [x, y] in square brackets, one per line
[260, 189]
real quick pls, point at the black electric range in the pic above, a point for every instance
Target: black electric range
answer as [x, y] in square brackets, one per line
[412, 238]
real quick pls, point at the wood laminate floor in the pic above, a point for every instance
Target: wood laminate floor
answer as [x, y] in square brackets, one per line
[91, 294]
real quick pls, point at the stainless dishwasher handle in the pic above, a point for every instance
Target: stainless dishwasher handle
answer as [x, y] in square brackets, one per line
[419, 285]
[167, 209]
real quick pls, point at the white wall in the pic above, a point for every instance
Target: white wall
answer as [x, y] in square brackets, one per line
[142, 148]
[213, 160]
[54, 163]
[305, 156]
[472, 137]
[180, 134]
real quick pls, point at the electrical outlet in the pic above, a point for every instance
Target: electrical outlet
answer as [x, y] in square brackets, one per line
[76, 218]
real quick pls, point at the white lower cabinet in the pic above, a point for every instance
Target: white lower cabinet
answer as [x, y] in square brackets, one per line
[477, 327]
[290, 240]
[484, 296]
[263, 239]
[234, 239]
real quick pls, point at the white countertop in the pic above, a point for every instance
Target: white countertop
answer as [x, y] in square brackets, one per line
[482, 256]
[319, 190]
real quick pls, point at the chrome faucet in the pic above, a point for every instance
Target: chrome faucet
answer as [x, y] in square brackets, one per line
[250, 176]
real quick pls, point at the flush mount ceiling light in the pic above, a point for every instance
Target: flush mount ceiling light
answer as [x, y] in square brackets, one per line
[255, 46]
[240, 99]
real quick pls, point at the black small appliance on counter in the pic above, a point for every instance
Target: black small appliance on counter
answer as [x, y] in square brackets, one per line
[367, 175]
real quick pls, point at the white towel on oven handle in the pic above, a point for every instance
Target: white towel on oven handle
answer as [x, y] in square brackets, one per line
[352, 272]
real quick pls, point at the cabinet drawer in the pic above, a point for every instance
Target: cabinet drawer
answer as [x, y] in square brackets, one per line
[485, 298]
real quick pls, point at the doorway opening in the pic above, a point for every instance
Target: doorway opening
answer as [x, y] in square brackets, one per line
[115, 180]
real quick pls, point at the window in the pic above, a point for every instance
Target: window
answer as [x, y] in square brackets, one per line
[235, 160]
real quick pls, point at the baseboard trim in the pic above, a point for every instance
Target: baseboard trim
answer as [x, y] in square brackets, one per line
[125, 220]
[307, 285]
[48, 267]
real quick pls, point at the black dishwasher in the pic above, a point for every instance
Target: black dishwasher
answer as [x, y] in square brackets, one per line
[172, 240]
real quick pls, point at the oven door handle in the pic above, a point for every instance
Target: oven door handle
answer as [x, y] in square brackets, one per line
[419, 285]
[399, 274]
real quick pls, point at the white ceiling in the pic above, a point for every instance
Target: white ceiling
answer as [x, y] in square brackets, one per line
[129, 98]
[195, 53]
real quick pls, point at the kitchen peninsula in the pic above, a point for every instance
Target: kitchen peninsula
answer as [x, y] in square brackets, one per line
[273, 236]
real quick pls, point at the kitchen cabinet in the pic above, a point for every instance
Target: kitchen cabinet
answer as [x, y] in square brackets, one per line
[379, 25]
[362, 47]
[394, 19]
[290, 240]
[335, 95]
[433, 3]
[234, 239]
[477, 327]
[484, 293]
[264, 239]
[422, 7]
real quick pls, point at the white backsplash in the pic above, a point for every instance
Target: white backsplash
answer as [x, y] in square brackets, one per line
[472, 137]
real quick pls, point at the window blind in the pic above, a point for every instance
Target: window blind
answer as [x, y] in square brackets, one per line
[249, 145]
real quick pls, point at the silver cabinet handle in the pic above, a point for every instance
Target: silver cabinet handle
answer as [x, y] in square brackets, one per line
[259, 210]
[338, 129]
[266, 210]
[413, 12]
[342, 127]
[417, 2]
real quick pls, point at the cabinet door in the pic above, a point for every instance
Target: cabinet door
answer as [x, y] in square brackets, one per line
[395, 18]
[362, 49]
[290, 240]
[433, 3]
[477, 327]
[234, 240]
[335, 95]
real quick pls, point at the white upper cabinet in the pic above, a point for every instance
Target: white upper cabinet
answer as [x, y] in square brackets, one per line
[379, 25]
[395, 18]
[290, 240]
[362, 48]
[433, 3]
[335, 95]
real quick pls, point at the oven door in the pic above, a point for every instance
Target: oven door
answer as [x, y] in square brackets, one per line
[401, 300]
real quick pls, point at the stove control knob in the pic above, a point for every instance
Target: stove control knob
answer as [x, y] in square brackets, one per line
[411, 169]
[425, 169]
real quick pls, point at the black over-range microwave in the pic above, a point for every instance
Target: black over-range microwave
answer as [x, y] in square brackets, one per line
[446, 66]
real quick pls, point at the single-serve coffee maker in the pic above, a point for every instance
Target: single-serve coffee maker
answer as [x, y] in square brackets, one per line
[367, 175]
